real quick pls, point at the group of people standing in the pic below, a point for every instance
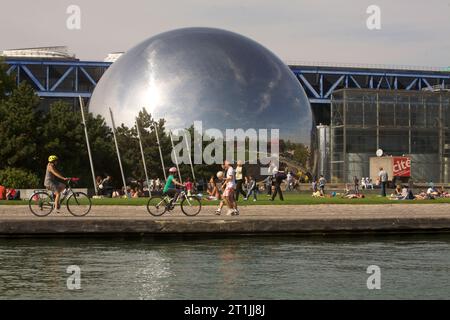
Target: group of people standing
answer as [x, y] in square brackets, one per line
[245, 184]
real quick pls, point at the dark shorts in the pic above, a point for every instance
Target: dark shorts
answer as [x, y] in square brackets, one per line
[171, 192]
[55, 186]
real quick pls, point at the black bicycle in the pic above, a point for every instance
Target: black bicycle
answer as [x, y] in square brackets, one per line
[190, 205]
[42, 202]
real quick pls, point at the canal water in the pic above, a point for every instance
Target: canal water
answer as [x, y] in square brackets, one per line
[411, 267]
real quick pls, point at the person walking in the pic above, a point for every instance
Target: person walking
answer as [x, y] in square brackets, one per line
[241, 176]
[220, 187]
[279, 177]
[228, 194]
[289, 181]
[252, 188]
[383, 176]
[356, 184]
[322, 183]
[268, 184]
[314, 185]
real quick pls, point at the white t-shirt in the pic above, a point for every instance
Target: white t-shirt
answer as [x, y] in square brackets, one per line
[231, 174]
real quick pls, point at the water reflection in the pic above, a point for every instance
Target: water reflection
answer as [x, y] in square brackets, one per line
[229, 269]
[236, 268]
[153, 274]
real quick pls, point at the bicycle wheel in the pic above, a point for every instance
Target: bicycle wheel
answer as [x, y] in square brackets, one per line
[41, 204]
[79, 204]
[191, 206]
[156, 206]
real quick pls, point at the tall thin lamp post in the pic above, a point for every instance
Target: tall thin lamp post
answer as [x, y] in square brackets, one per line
[189, 154]
[118, 153]
[176, 158]
[155, 126]
[88, 145]
[143, 156]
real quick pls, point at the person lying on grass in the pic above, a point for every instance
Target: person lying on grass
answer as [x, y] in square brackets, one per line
[354, 196]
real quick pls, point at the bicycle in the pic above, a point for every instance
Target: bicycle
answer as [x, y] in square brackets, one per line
[190, 205]
[42, 202]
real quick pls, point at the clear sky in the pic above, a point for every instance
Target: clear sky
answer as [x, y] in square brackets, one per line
[412, 32]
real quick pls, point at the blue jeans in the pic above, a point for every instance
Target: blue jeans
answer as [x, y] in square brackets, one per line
[383, 189]
[252, 192]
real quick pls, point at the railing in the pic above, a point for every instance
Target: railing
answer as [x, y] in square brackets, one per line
[437, 88]
[365, 66]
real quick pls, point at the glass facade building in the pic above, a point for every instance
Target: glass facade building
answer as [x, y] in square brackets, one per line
[400, 122]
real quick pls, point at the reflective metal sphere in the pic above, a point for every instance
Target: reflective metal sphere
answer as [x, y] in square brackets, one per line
[221, 78]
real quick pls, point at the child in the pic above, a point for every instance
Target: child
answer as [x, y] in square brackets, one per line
[252, 188]
[314, 186]
[189, 186]
[220, 180]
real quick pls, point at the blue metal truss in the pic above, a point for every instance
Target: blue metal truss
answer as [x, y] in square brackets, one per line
[320, 82]
[48, 77]
[70, 79]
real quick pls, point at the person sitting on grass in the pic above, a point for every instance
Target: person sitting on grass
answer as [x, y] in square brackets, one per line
[444, 193]
[2, 192]
[116, 194]
[397, 193]
[213, 192]
[431, 191]
[405, 194]
[347, 190]
[134, 193]
[317, 194]
[369, 183]
[12, 194]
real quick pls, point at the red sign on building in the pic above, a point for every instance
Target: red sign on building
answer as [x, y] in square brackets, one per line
[402, 167]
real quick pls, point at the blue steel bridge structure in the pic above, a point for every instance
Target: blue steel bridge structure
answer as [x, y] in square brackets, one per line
[62, 79]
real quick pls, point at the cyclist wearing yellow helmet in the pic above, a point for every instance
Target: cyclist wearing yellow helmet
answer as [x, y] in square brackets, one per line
[51, 179]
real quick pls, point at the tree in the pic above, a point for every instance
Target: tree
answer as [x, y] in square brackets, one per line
[19, 128]
[301, 154]
[6, 81]
[150, 145]
[18, 178]
[63, 135]
[102, 146]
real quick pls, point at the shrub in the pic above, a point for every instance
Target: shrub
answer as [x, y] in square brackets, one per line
[18, 179]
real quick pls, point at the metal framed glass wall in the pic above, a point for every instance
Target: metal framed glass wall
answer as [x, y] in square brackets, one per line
[414, 123]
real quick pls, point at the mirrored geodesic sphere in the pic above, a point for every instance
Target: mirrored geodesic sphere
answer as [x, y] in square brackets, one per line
[221, 78]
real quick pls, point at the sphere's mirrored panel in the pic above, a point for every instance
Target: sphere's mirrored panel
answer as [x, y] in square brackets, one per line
[223, 79]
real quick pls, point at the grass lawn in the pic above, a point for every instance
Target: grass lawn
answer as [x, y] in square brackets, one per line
[290, 199]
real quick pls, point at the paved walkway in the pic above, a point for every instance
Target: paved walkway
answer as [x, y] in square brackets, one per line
[341, 211]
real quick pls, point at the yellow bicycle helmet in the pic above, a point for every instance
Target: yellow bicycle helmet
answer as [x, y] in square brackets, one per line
[52, 158]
